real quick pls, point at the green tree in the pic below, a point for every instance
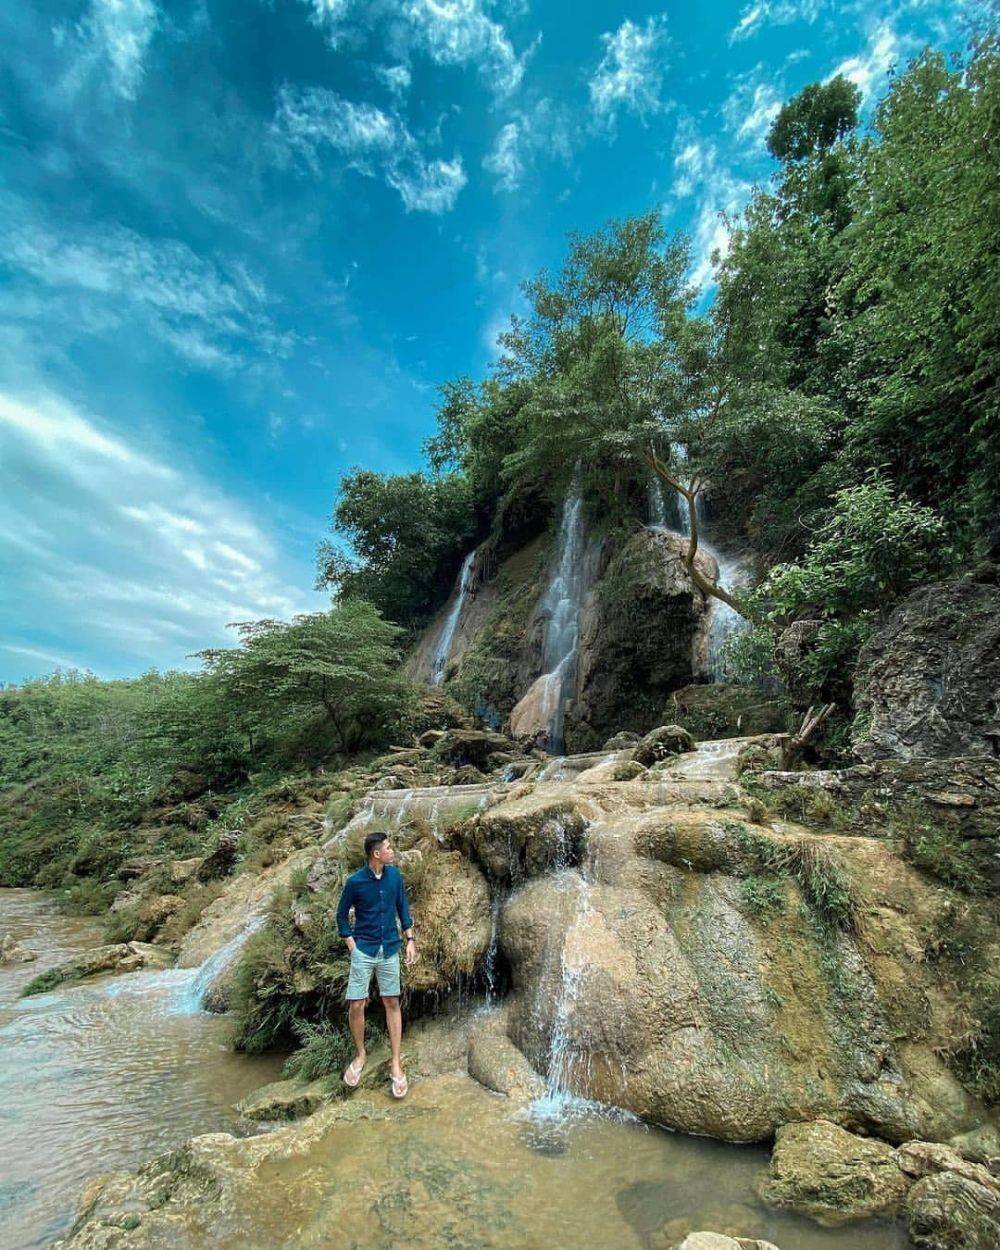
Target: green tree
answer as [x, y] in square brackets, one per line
[337, 670]
[814, 120]
[408, 532]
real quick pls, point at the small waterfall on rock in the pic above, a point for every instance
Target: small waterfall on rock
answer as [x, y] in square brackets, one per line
[545, 703]
[442, 651]
[195, 990]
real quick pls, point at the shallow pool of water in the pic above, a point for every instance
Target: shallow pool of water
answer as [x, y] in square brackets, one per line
[98, 1076]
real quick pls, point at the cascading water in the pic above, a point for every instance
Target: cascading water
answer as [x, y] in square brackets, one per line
[193, 993]
[545, 703]
[442, 651]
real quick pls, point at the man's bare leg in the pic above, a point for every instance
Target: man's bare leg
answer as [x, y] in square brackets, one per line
[356, 1019]
[394, 1025]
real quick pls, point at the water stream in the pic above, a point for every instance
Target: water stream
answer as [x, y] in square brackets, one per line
[100, 1075]
[442, 651]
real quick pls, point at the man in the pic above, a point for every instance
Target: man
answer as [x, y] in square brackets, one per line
[378, 896]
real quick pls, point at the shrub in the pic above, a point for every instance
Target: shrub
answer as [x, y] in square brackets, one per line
[326, 1048]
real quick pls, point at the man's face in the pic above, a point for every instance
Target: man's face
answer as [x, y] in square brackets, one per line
[384, 853]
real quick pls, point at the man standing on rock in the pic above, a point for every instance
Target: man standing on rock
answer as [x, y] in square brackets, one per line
[378, 896]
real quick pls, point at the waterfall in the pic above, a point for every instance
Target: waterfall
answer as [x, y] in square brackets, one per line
[443, 649]
[194, 991]
[561, 604]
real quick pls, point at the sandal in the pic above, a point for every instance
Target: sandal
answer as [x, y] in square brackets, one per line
[399, 1086]
[353, 1074]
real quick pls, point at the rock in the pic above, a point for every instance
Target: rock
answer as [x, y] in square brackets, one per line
[430, 738]
[467, 775]
[924, 1158]
[638, 636]
[389, 781]
[719, 1241]
[452, 901]
[496, 1063]
[114, 957]
[832, 1176]
[525, 836]
[471, 746]
[719, 710]
[621, 741]
[138, 866]
[793, 645]
[926, 682]
[184, 870]
[221, 861]
[981, 1145]
[285, 1100]
[12, 952]
[660, 744]
[950, 1212]
[763, 753]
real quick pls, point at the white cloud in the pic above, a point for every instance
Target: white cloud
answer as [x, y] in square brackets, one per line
[868, 70]
[458, 32]
[630, 74]
[699, 172]
[504, 160]
[396, 77]
[115, 35]
[763, 13]
[207, 316]
[373, 141]
[751, 107]
[134, 554]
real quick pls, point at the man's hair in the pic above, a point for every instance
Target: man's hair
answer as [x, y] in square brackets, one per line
[372, 841]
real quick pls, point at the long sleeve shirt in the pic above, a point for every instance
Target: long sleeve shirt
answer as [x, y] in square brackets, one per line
[377, 901]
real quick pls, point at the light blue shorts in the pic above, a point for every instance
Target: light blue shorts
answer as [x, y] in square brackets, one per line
[385, 967]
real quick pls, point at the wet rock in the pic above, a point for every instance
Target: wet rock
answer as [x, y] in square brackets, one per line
[496, 1063]
[115, 957]
[285, 1100]
[949, 1211]
[719, 1241]
[622, 741]
[926, 682]
[471, 746]
[12, 952]
[924, 1158]
[793, 646]
[452, 902]
[764, 752]
[833, 1176]
[526, 836]
[660, 744]
[467, 775]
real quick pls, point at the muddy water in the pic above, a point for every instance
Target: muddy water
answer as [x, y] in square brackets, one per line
[459, 1167]
[97, 1076]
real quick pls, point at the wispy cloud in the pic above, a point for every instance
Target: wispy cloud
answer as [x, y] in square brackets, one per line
[134, 555]
[700, 173]
[763, 13]
[543, 128]
[207, 315]
[373, 142]
[113, 38]
[630, 74]
[752, 106]
[869, 69]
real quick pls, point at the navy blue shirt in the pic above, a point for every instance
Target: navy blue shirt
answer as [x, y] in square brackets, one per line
[376, 902]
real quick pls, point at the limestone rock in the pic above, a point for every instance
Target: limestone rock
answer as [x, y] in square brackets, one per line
[471, 746]
[184, 870]
[285, 1100]
[12, 952]
[925, 1158]
[220, 861]
[794, 644]
[950, 1212]
[833, 1176]
[660, 744]
[927, 683]
[525, 836]
[114, 957]
[719, 1241]
[495, 1062]
[622, 741]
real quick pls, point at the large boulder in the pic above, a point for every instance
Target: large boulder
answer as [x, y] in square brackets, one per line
[949, 1211]
[718, 710]
[927, 683]
[639, 637]
[833, 1176]
[748, 1005]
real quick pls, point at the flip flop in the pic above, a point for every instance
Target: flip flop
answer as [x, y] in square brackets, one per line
[353, 1074]
[399, 1086]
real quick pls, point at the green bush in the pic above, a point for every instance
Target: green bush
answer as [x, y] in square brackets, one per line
[326, 1048]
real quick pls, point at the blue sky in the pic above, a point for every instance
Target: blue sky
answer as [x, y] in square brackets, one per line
[243, 241]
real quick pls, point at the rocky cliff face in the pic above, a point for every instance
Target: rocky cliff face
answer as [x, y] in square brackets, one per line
[642, 633]
[928, 682]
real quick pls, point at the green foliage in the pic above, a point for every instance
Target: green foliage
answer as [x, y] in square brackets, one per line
[51, 979]
[814, 867]
[814, 120]
[326, 1048]
[763, 895]
[409, 533]
[939, 850]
